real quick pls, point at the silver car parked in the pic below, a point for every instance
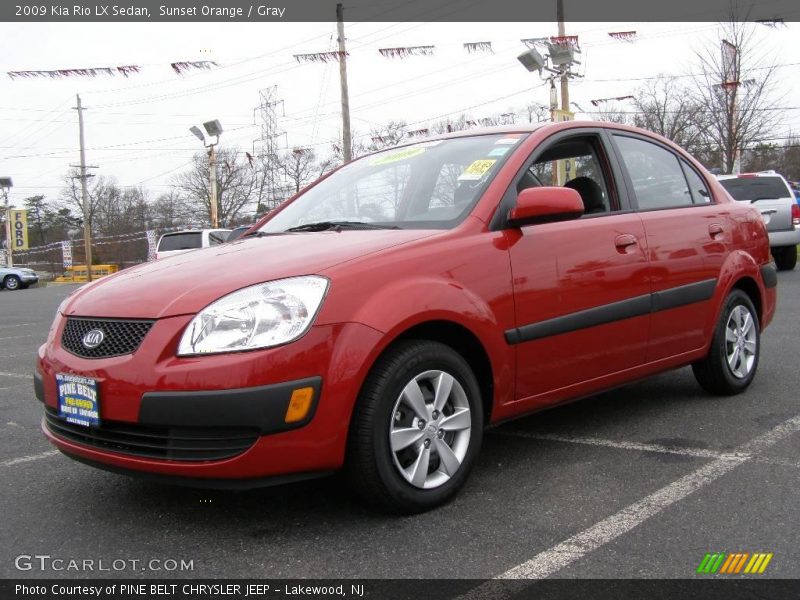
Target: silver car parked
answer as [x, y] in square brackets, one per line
[16, 278]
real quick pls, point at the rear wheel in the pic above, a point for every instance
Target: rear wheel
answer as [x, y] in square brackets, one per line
[785, 257]
[417, 428]
[11, 282]
[732, 361]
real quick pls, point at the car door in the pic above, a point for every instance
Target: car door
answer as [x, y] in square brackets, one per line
[580, 287]
[688, 236]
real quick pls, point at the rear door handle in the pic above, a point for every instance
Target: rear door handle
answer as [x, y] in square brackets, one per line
[624, 241]
[714, 230]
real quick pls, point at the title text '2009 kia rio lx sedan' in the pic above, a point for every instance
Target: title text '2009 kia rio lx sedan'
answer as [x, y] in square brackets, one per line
[378, 321]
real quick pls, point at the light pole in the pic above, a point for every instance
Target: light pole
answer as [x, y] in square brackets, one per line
[5, 185]
[213, 130]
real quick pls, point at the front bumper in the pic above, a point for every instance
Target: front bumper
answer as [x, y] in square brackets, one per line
[152, 391]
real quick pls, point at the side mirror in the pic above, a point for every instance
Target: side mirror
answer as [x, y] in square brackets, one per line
[545, 205]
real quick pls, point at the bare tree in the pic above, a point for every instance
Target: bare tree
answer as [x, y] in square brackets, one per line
[736, 90]
[72, 198]
[236, 186]
[170, 211]
[461, 122]
[613, 111]
[536, 113]
[667, 108]
[391, 134]
[301, 167]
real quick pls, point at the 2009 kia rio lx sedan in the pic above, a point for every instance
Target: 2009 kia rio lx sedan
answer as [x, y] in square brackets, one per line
[378, 321]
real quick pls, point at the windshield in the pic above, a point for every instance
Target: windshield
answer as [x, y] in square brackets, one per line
[756, 188]
[429, 185]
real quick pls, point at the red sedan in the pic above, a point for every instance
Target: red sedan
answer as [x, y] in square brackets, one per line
[384, 316]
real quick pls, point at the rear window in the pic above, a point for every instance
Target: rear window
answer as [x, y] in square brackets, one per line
[181, 241]
[756, 188]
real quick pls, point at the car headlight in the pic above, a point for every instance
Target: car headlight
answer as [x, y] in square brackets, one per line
[259, 316]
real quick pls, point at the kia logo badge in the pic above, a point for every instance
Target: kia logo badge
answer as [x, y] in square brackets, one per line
[93, 338]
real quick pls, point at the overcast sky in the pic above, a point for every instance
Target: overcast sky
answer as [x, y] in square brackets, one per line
[137, 128]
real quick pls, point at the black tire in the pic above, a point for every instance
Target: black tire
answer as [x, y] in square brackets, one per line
[714, 373]
[11, 282]
[785, 257]
[371, 466]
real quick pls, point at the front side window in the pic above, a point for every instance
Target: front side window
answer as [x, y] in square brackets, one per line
[574, 163]
[656, 174]
[429, 185]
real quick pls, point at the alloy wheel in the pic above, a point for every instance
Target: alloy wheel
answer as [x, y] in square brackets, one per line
[430, 429]
[740, 341]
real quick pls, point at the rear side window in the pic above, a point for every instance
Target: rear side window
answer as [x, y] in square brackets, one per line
[756, 188]
[656, 174]
[181, 241]
[697, 186]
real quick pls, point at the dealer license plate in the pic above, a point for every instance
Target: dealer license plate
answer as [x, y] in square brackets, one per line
[78, 402]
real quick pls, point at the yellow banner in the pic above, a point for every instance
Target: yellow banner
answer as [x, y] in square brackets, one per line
[19, 229]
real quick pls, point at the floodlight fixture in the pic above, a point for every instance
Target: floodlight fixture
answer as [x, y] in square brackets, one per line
[213, 128]
[197, 133]
[532, 60]
[561, 54]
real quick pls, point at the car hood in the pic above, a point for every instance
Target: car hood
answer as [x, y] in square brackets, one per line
[187, 283]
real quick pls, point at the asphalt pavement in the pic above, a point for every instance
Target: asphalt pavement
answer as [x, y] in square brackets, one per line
[639, 482]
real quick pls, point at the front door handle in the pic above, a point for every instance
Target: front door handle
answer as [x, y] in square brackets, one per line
[714, 230]
[625, 241]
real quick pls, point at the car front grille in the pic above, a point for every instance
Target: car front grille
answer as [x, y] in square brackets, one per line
[168, 443]
[119, 337]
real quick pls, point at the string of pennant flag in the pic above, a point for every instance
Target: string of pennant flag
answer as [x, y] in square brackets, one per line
[180, 67]
[399, 52]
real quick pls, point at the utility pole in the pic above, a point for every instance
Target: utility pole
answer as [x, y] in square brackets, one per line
[87, 221]
[212, 163]
[347, 149]
[564, 78]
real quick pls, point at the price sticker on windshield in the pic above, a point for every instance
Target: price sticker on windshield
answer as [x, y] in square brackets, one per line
[397, 156]
[476, 170]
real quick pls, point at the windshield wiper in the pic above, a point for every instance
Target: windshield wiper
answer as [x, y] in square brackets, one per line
[339, 225]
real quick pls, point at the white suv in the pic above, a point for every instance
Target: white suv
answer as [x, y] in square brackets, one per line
[770, 192]
[178, 242]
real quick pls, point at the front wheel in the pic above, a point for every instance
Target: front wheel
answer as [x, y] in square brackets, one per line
[11, 282]
[731, 363]
[416, 429]
[785, 257]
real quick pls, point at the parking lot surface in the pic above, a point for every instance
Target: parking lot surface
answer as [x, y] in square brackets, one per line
[641, 481]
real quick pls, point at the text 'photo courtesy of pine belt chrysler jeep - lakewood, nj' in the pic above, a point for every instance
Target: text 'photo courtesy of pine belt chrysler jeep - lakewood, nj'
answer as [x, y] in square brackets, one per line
[377, 322]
